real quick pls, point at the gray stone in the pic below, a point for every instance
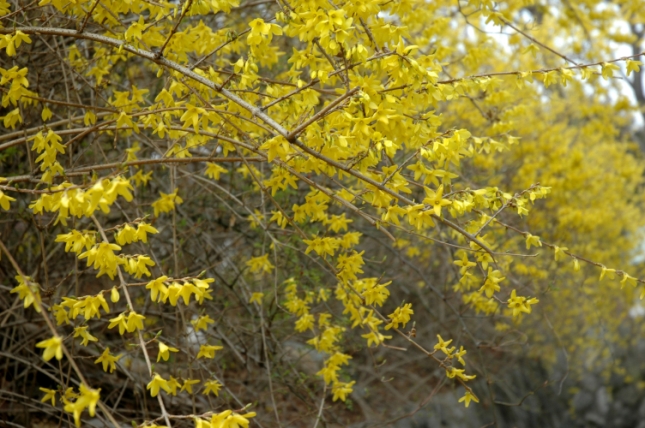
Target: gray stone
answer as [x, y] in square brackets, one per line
[602, 401]
[595, 418]
[641, 410]
[590, 383]
[582, 400]
[628, 395]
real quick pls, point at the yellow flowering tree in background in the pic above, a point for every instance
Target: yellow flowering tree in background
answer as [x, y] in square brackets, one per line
[229, 213]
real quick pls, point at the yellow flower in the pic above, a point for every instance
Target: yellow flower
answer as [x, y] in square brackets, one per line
[137, 266]
[200, 423]
[127, 235]
[46, 114]
[69, 394]
[459, 373]
[50, 394]
[400, 316]
[374, 337]
[53, 347]
[4, 201]
[228, 419]
[88, 398]
[102, 257]
[260, 264]
[135, 322]
[108, 360]
[173, 384]
[28, 292]
[256, 297]
[213, 170]
[157, 383]
[212, 386]
[208, 351]
[166, 202]
[443, 346]
[435, 200]
[322, 246]
[520, 304]
[491, 285]
[341, 389]
[459, 354]
[236, 421]
[532, 240]
[464, 263]
[468, 397]
[305, 322]
[157, 288]
[87, 337]
[164, 351]
[218, 419]
[559, 252]
[202, 322]
[143, 229]
[114, 295]
[188, 385]
[121, 322]
[612, 273]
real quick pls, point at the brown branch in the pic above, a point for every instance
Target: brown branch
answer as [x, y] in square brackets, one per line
[54, 332]
[187, 5]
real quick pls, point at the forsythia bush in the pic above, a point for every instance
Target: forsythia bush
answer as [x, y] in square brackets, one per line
[218, 213]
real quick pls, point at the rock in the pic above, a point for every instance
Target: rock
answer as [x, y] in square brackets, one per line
[602, 401]
[582, 400]
[641, 410]
[628, 395]
[590, 383]
[595, 418]
[305, 358]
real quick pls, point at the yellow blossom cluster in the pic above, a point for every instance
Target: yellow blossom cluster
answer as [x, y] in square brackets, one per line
[320, 159]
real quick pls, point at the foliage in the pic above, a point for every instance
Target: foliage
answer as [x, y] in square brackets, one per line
[285, 202]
